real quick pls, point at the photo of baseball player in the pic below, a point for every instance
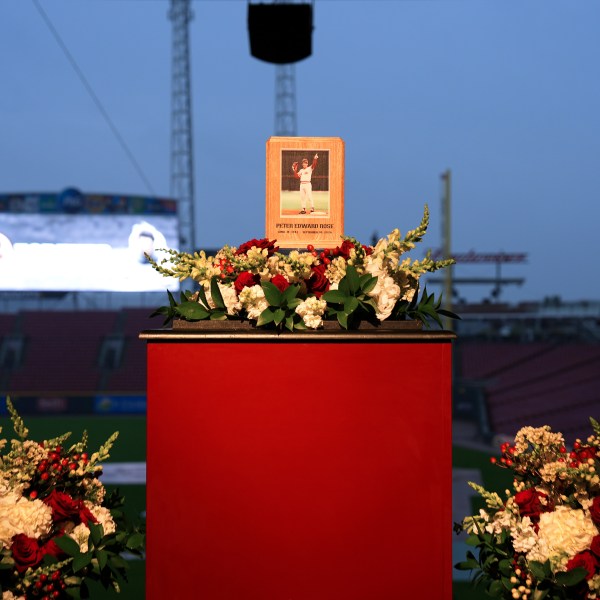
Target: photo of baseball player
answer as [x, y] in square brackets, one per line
[304, 185]
[305, 175]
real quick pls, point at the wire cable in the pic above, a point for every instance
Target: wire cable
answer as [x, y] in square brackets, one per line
[94, 96]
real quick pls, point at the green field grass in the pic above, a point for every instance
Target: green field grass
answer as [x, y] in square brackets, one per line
[290, 202]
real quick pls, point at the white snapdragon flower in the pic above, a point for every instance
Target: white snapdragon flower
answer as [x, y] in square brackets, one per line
[21, 515]
[230, 298]
[253, 301]
[523, 535]
[312, 311]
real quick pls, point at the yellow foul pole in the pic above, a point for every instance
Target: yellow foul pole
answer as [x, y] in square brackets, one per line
[446, 240]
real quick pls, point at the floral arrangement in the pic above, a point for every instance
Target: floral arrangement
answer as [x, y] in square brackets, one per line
[297, 291]
[543, 539]
[58, 527]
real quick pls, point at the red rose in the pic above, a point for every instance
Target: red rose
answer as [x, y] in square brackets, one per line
[595, 511]
[50, 547]
[586, 560]
[345, 248]
[368, 250]
[595, 545]
[65, 508]
[85, 515]
[25, 552]
[317, 283]
[529, 503]
[280, 282]
[245, 279]
[264, 243]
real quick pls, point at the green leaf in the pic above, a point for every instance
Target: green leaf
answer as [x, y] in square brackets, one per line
[342, 318]
[505, 567]
[215, 292]
[203, 298]
[266, 316]
[292, 304]
[352, 279]
[495, 589]
[279, 316]
[272, 293]
[218, 315]
[335, 297]
[290, 293]
[81, 561]
[102, 557]
[136, 541]
[467, 565]
[289, 322]
[192, 311]
[537, 569]
[572, 577]
[96, 533]
[350, 305]
[68, 545]
[369, 305]
[343, 287]
[367, 283]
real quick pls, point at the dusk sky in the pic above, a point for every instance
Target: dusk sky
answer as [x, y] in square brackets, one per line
[505, 94]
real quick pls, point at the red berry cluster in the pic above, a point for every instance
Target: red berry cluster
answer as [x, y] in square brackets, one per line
[58, 464]
[507, 455]
[226, 268]
[48, 587]
[326, 255]
[581, 454]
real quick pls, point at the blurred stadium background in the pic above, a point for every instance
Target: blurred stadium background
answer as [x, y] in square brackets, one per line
[72, 360]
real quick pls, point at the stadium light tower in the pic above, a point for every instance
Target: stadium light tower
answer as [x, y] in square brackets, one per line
[281, 33]
[182, 152]
[285, 100]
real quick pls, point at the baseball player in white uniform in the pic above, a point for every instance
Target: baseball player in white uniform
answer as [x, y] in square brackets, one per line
[305, 175]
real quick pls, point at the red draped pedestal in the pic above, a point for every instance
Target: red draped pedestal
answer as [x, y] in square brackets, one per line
[300, 466]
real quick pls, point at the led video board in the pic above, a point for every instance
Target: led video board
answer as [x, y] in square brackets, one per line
[72, 241]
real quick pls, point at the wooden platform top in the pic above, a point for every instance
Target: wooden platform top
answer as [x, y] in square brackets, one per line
[260, 335]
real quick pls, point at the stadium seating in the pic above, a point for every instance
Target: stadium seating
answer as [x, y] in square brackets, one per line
[535, 384]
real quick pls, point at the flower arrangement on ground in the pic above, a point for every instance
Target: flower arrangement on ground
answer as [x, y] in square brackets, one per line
[350, 283]
[58, 527]
[543, 539]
